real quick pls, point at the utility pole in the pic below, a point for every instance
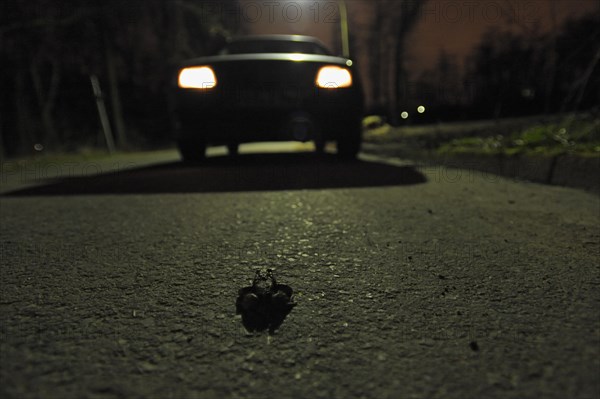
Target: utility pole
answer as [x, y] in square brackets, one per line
[344, 28]
[108, 136]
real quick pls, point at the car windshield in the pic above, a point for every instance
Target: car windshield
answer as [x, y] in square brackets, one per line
[273, 46]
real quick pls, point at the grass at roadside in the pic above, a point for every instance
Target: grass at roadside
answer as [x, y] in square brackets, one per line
[543, 135]
[579, 136]
[85, 156]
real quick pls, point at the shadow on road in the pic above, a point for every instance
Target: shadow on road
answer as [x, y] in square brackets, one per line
[248, 172]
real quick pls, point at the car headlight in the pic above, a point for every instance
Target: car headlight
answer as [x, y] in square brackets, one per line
[202, 77]
[333, 77]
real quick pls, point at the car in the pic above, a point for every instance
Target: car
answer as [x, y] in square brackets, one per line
[267, 88]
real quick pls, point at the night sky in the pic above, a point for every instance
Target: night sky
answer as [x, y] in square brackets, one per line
[455, 27]
[457, 30]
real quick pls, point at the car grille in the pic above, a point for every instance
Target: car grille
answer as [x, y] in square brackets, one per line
[266, 83]
[266, 95]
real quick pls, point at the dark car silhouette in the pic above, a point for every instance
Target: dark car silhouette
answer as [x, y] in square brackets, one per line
[268, 88]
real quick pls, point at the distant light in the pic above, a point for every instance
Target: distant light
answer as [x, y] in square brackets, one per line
[404, 115]
[420, 109]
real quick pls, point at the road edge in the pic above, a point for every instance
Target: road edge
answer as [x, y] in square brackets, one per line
[567, 170]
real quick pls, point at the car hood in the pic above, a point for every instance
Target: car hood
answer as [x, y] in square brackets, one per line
[291, 57]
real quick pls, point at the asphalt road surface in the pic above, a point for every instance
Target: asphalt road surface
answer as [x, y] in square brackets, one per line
[409, 282]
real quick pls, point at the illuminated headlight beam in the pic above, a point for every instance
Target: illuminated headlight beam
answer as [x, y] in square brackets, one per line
[202, 77]
[333, 77]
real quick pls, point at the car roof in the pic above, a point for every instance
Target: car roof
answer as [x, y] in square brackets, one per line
[288, 38]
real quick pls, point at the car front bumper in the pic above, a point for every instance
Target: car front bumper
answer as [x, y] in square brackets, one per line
[218, 116]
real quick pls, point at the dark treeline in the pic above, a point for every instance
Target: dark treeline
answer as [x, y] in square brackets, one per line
[512, 74]
[49, 49]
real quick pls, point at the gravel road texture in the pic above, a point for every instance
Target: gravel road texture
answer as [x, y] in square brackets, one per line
[458, 285]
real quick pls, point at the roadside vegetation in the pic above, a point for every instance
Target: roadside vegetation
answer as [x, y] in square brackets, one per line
[575, 136]
[543, 135]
